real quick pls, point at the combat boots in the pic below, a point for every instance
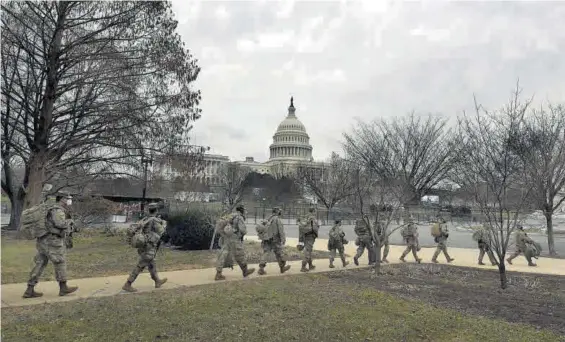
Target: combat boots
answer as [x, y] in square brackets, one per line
[332, 264]
[311, 266]
[402, 258]
[356, 261]
[247, 271]
[284, 267]
[128, 288]
[304, 269]
[219, 276]
[31, 293]
[261, 270]
[344, 262]
[160, 282]
[65, 290]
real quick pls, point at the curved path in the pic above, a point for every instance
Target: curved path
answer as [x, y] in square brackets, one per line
[110, 286]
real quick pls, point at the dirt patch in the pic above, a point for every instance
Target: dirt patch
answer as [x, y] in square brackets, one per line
[537, 300]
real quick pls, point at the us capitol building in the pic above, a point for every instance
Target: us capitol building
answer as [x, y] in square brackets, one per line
[290, 148]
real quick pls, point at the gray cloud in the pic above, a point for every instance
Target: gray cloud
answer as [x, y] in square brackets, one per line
[364, 60]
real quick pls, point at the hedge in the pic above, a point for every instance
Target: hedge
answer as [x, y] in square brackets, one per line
[190, 230]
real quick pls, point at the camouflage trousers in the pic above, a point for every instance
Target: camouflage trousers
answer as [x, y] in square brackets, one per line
[49, 248]
[518, 251]
[386, 248]
[146, 259]
[485, 249]
[410, 248]
[441, 247]
[334, 251]
[271, 246]
[365, 242]
[231, 246]
[308, 248]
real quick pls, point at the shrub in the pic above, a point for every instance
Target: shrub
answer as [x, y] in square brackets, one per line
[190, 230]
[91, 210]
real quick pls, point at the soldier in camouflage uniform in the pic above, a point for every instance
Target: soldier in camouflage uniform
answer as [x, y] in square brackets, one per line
[381, 233]
[153, 228]
[442, 242]
[274, 241]
[51, 247]
[309, 239]
[484, 246]
[335, 244]
[233, 245]
[521, 240]
[410, 236]
[364, 240]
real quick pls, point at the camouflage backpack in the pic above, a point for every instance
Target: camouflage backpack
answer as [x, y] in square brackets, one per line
[533, 250]
[435, 230]
[224, 225]
[304, 226]
[261, 229]
[335, 235]
[408, 231]
[361, 228]
[34, 220]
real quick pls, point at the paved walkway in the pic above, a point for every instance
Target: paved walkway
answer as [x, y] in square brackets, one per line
[110, 286]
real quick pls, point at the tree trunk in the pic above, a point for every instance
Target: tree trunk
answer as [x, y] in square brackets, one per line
[502, 272]
[17, 206]
[550, 238]
[35, 179]
[378, 250]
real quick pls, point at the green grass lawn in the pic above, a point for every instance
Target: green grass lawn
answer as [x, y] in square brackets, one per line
[290, 308]
[96, 254]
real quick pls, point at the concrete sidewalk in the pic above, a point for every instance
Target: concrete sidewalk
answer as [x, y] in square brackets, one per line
[110, 286]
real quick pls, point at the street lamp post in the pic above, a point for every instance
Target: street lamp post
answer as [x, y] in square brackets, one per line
[145, 161]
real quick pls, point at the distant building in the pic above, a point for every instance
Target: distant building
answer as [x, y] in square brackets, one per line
[290, 148]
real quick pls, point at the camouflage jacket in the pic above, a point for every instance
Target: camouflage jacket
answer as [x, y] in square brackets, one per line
[57, 222]
[238, 224]
[275, 230]
[522, 239]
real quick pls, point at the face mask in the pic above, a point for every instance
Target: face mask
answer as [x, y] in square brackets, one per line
[69, 202]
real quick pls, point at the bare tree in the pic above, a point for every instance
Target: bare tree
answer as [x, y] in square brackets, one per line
[330, 184]
[380, 199]
[232, 183]
[94, 83]
[494, 172]
[542, 147]
[415, 151]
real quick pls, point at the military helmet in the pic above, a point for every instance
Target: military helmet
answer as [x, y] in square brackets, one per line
[312, 209]
[240, 208]
[276, 210]
[153, 205]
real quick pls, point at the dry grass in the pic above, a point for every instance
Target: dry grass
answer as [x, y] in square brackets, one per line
[95, 255]
[297, 308]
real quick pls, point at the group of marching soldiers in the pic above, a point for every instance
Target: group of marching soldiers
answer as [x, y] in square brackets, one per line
[146, 234]
[369, 236]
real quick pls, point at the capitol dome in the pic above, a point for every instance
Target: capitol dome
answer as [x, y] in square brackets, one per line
[291, 142]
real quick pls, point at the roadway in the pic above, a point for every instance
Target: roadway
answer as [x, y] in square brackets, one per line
[458, 237]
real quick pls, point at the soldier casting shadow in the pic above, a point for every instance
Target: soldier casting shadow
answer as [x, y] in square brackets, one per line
[273, 240]
[232, 244]
[51, 246]
[148, 234]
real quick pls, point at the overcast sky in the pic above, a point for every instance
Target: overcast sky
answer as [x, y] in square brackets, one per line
[347, 60]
